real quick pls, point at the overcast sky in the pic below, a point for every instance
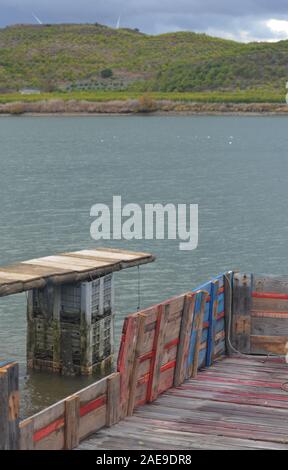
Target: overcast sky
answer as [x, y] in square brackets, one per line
[245, 20]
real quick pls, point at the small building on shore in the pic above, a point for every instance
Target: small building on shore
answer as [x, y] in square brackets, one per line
[30, 91]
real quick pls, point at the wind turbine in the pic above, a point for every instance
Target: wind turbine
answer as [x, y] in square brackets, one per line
[118, 22]
[36, 18]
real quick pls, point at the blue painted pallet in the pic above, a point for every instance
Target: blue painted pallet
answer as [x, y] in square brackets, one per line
[220, 325]
[196, 335]
[212, 322]
[210, 316]
[220, 303]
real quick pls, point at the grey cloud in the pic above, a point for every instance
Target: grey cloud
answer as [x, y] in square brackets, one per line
[245, 20]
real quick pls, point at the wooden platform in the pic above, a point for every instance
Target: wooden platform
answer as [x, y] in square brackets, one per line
[238, 403]
[67, 268]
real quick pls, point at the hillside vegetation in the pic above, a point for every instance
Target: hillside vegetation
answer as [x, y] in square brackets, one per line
[95, 58]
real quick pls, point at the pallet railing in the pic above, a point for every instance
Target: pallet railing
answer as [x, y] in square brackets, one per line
[166, 344]
[161, 347]
[260, 314]
[65, 424]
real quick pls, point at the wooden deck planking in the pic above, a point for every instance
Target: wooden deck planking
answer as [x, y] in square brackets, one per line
[238, 403]
[67, 268]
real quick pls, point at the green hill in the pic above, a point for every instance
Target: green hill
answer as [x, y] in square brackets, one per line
[94, 57]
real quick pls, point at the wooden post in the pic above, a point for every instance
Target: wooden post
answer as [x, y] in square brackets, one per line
[228, 294]
[4, 410]
[26, 435]
[72, 421]
[184, 340]
[242, 299]
[9, 407]
[113, 399]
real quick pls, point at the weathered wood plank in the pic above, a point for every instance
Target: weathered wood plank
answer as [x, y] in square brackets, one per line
[212, 322]
[270, 305]
[113, 399]
[26, 435]
[269, 344]
[228, 299]
[270, 283]
[31, 270]
[261, 326]
[93, 421]
[118, 254]
[70, 268]
[12, 276]
[66, 268]
[283, 316]
[72, 420]
[184, 340]
[126, 358]
[136, 365]
[197, 327]
[158, 350]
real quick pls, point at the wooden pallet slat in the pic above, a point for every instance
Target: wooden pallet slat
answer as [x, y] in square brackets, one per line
[127, 358]
[26, 435]
[160, 321]
[158, 383]
[197, 334]
[72, 420]
[212, 322]
[113, 399]
[228, 309]
[184, 341]
[136, 365]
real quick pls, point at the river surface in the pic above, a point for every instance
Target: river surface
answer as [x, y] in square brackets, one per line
[53, 169]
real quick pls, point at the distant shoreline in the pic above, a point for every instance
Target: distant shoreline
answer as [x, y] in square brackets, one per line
[133, 108]
[156, 114]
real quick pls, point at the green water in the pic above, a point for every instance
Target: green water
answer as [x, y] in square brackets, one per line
[54, 169]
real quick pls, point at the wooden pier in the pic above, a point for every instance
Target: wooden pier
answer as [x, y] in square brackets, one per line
[67, 268]
[70, 311]
[182, 381]
[237, 404]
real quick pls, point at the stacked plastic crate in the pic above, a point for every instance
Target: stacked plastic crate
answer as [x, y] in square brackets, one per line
[71, 327]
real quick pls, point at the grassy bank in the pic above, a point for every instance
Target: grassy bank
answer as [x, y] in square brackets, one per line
[143, 105]
[248, 96]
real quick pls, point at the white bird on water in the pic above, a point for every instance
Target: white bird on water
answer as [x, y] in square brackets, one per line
[37, 19]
